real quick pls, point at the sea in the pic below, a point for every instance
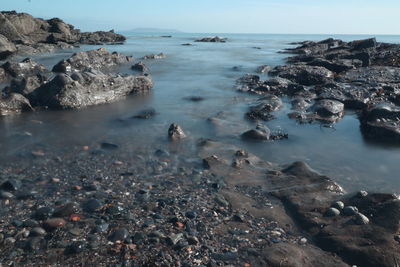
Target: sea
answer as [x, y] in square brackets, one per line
[210, 71]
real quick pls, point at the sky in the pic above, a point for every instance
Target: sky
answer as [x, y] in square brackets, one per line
[222, 16]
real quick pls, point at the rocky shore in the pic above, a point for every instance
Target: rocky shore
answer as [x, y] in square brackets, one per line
[329, 76]
[194, 202]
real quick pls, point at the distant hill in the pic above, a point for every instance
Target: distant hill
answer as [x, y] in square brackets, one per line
[155, 30]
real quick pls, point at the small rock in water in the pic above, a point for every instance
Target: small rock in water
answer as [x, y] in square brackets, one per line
[338, 205]
[350, 210]
[175, 132]
[43, 213]
[108, 146]
[256, 134]
[361, 219]
[332, 212]
[75, 248]
[146, 114]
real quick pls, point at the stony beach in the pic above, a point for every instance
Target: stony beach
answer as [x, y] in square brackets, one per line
[197, 201]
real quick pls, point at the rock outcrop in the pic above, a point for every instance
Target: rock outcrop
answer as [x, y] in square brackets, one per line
[21, 33]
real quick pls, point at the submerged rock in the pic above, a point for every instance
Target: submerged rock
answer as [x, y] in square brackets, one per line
[155, 56]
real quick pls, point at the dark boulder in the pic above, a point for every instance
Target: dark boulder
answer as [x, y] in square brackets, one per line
[263, 109]
[13, 104]
[175, 132]
[88, 88]
[381, 123]
[304, 74]
[140, 66]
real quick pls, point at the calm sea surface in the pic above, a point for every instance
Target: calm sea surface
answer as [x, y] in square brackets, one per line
[206, 70]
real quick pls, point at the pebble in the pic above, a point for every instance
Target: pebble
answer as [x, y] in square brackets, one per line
[38, 231]
[338, 205]
[108, 146]
[361, 219]
[66, 210]
[174, 239]
[54, 223]
[92, 205]
[350, 210]
[43, 213]
[101, 228]
[332, 212]
[11, 185]
[6, 195]
[34, 243]
[75, 248]
[119, 235]
[362, 194]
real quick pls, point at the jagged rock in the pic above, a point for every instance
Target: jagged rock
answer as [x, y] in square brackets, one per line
[304, 74]
[13, 103]
[175, 132]
[266, 105]
[140, 66]
[94, 59]
[79, 90]
[101, 37]
[6, 47]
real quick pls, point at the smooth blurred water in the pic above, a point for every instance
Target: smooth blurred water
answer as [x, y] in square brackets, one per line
[206, 70]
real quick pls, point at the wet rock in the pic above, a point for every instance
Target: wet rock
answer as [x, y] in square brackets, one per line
[37, 231]
[381, 123]
[215, 39]
[172, 240]
[328, 108]
[75, 248]
[93, 88]
[140, 66]
[54, 223]
[337, 66]
[227, 256]
[14, 104]
[108, 146]
[195, 98]
[304, 74]
[101, 228]
[266, 105]
[175, 132]
[119, 235]
[98, 59]
[332, 212]
[43, 213]
[277, 256]
[264, 69]
[361, 219]
[11, 185]
[146, 114]
[67, 209]
[350, 210]
[257, 134]
[155, 56]
[6, 195]
[339, 205]
[101, 37]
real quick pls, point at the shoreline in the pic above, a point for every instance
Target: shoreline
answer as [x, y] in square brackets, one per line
[218, 206]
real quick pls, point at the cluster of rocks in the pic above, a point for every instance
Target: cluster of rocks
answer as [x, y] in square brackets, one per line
[329, 76]
[21, 33]
[215, 39]
[84, 79]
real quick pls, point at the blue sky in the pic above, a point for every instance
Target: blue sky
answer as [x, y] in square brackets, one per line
[222, 16]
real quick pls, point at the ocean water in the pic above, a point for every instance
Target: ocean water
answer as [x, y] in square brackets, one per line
[206, 70]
